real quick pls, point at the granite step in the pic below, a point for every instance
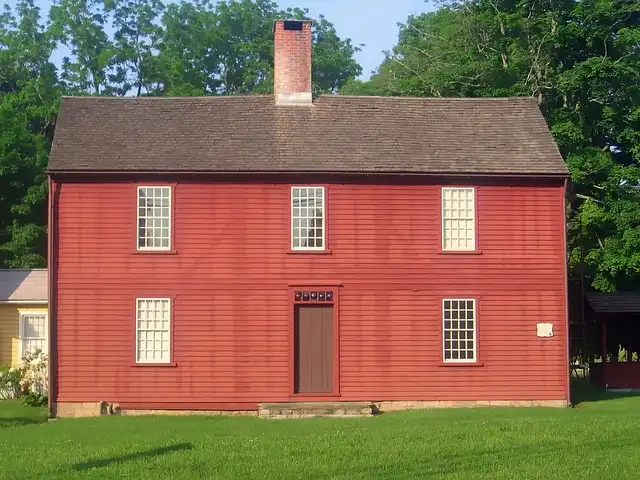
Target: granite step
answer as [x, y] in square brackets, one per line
[316, 409]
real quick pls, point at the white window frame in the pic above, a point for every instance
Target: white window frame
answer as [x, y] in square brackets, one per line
[169, 332]
[475, 331]
[474, 245]
[324, 219]
[21, 330]
[145, 248]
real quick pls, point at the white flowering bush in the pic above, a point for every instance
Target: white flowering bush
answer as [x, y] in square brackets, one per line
[9, 382]
[29, 381]
[34, 378]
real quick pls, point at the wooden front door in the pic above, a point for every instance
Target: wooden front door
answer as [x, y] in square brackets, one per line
[313, 350]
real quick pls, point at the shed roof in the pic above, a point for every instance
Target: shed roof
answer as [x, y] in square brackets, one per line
[337, 134]
[619, 302]
[24, 285]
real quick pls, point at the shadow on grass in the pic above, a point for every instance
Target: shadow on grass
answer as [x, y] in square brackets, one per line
[583, 391]
[17, 421]
[155, 452]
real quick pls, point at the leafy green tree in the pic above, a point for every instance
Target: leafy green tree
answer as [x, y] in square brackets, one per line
[190, 48]
[210, 49]
[135, 25]
[79, 25]
[227, 49]
[28, 105]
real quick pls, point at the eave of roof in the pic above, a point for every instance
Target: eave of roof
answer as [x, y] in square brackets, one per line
[616, 302]
[307, 172]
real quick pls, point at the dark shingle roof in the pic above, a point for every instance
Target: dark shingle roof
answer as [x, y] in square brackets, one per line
[336, 134]
[619, 302]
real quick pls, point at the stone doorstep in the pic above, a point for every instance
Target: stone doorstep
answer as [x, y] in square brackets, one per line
[315, 409]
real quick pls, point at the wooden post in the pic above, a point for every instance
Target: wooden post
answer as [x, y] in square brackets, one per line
[605, 382]
[604, 339]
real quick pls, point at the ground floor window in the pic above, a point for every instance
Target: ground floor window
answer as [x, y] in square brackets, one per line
[459, 328]
[33, 332]
[153, 319]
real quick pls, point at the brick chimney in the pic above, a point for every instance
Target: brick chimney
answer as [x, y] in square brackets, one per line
[292, 62]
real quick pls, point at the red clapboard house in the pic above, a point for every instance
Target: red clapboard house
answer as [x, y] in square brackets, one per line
[218, 253]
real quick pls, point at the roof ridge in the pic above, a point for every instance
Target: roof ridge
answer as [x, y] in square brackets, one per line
[185, 97]
[396, 97]
[327, 95]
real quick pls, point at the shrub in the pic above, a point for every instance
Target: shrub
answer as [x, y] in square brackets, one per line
[34, 378]
[35, 399]
[9, 382]
[29, 381]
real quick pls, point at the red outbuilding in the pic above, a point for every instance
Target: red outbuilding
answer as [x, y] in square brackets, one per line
[217, 253]
[614, 332]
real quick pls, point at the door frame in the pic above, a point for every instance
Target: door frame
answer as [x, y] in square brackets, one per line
[332, 287]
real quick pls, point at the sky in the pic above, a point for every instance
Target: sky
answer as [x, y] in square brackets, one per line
[371, 23]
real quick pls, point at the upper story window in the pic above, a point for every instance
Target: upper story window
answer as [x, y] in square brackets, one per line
[154, 218]
[307, 218]
[459, 327]
[153, 329]
[458, 219]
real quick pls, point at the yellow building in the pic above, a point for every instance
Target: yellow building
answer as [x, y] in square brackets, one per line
[24, 319]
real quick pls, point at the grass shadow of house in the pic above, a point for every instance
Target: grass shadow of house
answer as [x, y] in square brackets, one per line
[18, 421]
[582, 391]
[155, 452]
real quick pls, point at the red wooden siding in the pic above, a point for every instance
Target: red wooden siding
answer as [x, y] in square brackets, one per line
[229, 282]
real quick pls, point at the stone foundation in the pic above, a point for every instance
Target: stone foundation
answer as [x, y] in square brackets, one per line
[77, 409]
[391, 406]
[97, 409]
[301, 409]
[231, 413]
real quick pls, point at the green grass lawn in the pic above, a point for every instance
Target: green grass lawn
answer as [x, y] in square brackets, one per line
[13, 413]
[598, 439]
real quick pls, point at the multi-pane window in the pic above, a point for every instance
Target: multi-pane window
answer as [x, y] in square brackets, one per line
[33, 332]
[154, 218]
[458, 219]
[459, 327]
[307, 218]
[153, 328]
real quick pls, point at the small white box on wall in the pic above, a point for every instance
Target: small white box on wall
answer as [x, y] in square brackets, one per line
[545, 330]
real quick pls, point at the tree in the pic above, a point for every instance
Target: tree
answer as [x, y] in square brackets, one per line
[190, 48]
[28, 99]
[135, 33]
[580, 59]
[220, 49]
[227, 49]
[79, 25]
